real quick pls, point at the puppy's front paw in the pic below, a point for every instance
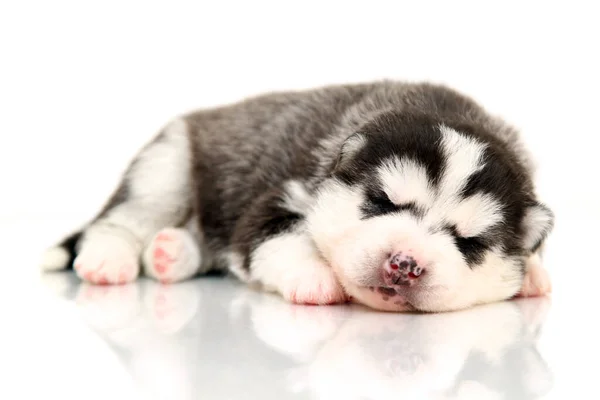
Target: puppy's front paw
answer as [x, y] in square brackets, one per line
[316, 285]
[537, 280]
[291, 266]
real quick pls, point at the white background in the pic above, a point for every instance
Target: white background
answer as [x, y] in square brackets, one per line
[84, 84]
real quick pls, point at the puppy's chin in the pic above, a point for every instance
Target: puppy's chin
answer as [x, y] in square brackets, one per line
[378, 298]
[375, 297]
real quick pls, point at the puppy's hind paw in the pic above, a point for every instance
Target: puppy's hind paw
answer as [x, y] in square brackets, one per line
[537, 280]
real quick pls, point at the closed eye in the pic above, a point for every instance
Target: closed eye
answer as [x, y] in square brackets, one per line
[378, 203]
[472, 248]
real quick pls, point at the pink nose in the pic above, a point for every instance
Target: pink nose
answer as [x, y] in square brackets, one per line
[403, 269]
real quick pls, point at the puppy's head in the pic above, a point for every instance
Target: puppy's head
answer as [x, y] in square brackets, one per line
[428, 215]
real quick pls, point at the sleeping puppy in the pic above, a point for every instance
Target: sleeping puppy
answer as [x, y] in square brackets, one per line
[399, 196]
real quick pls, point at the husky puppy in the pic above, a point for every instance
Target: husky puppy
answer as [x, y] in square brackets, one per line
[399, 196]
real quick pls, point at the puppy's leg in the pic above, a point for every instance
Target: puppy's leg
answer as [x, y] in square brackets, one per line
[290, 265]
[273, 249]
[154, 193]
[174, 254]
[537, 280]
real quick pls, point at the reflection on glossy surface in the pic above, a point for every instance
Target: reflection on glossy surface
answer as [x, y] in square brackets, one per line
[213, 338]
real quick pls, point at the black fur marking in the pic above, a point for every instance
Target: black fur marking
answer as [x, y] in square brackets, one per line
[386, 291]
[378, 203]
[266, 218]
[503, 178]
[281, 221]
[472, 248]
[70, 245]
[395, 134]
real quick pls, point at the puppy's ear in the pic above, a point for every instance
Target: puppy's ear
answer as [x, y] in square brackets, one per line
[537, 223]
[350, 148]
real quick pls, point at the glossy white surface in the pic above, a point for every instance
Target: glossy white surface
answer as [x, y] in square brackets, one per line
[213, 338]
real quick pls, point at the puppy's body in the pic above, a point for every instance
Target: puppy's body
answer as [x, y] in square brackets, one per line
[402, 196]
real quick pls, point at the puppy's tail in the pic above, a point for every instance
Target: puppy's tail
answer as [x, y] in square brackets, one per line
[62, 255]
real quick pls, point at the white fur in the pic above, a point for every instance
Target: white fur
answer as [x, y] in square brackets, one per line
[108, 256]
[406, 181]
[297, 198]
[475, 214]
[336, 210]
[456, 286]
[158, 186]
[463, 158]
[182, 256]
[536, 222]
[158, 195]
[54, 259]
[357, 248]
[289, 264]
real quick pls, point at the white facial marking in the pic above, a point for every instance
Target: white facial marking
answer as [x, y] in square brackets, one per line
[405, 181]
[475, 214]
[495, 278]
[463, 158]
[336, 210]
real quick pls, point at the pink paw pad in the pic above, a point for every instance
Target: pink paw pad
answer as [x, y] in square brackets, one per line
[107, 260]
[536, 281]
[106, 273]
[164, 254]
[171, 256]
